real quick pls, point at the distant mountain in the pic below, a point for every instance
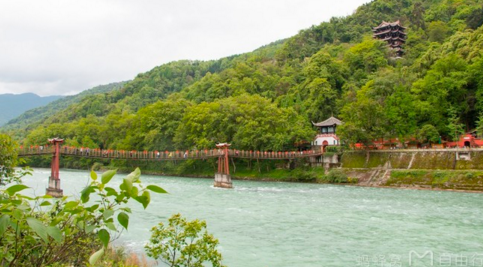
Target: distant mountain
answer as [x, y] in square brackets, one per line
[36, 114]
[13, 105]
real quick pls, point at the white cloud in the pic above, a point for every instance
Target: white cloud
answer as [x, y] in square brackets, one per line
[57, 47]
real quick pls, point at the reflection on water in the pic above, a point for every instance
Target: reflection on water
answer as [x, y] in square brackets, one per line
[290, 224]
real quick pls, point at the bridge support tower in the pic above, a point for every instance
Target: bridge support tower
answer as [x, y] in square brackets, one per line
[222, 177]
[54, 179]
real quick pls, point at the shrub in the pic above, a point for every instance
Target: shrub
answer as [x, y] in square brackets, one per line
[97, 166]
[183, 243]
[337, 176]
[303, 175]
[333, 149]
[353, 180]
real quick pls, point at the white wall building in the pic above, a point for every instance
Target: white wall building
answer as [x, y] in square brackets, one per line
[326, 132]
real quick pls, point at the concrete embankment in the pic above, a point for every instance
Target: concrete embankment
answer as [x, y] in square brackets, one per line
[456, 169]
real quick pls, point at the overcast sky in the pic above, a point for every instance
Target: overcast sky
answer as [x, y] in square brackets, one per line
[61, 47]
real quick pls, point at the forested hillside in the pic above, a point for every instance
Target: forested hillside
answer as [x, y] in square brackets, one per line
[266, 99]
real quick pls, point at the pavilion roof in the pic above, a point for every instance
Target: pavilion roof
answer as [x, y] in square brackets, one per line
[385, 23]
[328, 122]
[220, 145]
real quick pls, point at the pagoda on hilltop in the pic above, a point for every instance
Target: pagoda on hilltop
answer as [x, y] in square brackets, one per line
[393, 33]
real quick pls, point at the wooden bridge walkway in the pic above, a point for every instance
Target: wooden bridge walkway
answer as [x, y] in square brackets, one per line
[222, 177]
[163, 155]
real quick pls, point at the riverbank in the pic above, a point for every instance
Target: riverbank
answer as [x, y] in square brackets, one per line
[470, 181]
[391, 169]
[442, 169]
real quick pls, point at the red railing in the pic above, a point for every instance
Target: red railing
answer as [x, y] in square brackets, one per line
[164, 155]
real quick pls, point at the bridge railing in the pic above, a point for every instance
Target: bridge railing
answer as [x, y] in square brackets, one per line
[273, 154]
[165, 155]
[133, 154]
[35, 150]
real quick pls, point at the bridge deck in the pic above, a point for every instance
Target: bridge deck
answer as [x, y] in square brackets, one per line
[164, 155]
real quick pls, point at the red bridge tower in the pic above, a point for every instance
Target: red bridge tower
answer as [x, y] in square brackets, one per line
[54, 179]
[222, 177]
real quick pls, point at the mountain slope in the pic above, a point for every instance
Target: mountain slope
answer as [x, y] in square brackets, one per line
[13, 105]
[35, 116]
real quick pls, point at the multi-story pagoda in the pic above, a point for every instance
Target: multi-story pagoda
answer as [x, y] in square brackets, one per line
[393, 33]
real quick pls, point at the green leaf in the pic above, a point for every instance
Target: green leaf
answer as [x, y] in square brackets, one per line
[26, 197]
[93, 175]
[107, 176]
[110, 191]
[126, 209]
[144, 199]
[71, 204]
[127, 183]
[107, 214]
[96, 256]
[16, 188]
[85, 194]
[156, 189]
[16, 202]
[123, 219]
[38, 228]
[134, 191]
[17, 214]
[55, 233]
[147, 195]
[90, 228]
[92, 208]
[23, 207]
[134, 176]
[104, 237]
[111, 226]
[45, 203]
[4, 222]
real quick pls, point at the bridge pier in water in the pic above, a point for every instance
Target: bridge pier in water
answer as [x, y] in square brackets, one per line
[54, 179]
[222, 177]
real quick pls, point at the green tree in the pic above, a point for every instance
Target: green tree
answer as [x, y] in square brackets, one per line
[455, 127]
[428, 133]
[479, 125]
[8, 156]
[417, 17]
[363, 118]
[437, 31]
[9, 160]
[183, 243]
[475, 19]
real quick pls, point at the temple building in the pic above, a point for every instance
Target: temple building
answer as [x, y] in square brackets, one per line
[326, 132]
[393, 33]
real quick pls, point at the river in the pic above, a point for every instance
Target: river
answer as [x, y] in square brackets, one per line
[292, 224]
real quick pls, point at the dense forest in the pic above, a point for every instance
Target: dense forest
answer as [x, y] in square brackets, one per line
[267, 99]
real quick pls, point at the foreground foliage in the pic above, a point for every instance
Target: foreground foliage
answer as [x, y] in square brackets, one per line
[39, 231]
[183, 243]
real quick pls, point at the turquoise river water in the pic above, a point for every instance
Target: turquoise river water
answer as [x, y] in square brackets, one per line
[270, 224]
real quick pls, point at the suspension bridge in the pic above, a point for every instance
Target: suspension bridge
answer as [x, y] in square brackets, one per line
[223, 153]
